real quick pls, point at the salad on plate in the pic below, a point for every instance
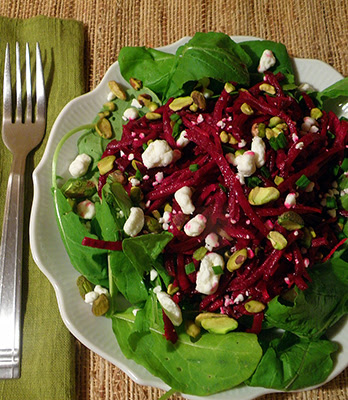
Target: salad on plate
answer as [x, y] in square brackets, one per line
[206, 211]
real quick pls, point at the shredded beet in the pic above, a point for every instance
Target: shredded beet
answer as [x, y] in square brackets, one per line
[220, 194]
[102, 244]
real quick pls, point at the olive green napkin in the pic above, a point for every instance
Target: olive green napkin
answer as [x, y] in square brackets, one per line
[48, 363]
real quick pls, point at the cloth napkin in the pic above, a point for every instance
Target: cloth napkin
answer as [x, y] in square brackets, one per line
[48, 354]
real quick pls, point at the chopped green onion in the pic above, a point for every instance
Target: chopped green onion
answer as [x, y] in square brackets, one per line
[331, 135]
[274, 143]
[144, 146]
[336, 169]
[265, 172]
[199, 253]
[344, 165]
[253, 181]
[331, 202]
[138, 175]
[189, 268]
[174, 117]
[223, 188]
[303, 182]
[281, 140]
[193, 167]
[176, 131]
[218, 270]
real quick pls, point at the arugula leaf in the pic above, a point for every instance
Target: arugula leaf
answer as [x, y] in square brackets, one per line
[208, 55]
[255, 48]
[143, 250]
[151, 66]
[212, 364]
[338, 89]
[317, 308]
[292, 363]
[127, 278]
[90, 262]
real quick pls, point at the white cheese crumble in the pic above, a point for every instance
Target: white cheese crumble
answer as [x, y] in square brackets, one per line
[171, 309]
[290, 200]
[86, 209]
[183, 198]
[130, 114]
[259, 148]
[211, 241]
[80, 165]
[157, 154]
[153, 274]
[135, 221]
[195, 226]
[207, 280]
[135, 103]
[100, 290]
[111, 96]
[305, 87]
[91, 296]
[245, 164]
[182, 140]
[267, 61]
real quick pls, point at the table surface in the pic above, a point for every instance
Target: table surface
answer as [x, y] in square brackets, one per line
[309, 28]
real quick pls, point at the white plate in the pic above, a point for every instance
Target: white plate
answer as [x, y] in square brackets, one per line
[50, 255]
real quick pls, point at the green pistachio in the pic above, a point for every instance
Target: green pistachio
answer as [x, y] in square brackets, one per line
[100, 306]
[84, 285]
[291, 221]
[263, 195]
[254, 306]
[278, 241]
[237, 259]
[106, 164]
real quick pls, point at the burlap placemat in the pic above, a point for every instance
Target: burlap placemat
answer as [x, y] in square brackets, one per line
[309, 29]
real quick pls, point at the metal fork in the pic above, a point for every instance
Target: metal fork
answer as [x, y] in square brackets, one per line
[20, 135]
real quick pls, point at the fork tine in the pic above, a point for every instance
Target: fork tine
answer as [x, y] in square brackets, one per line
[19, 115]
[7, 88]
[40, 87]
[29, 114]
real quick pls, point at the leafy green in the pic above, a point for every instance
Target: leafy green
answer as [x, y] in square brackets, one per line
[317, 308]
[338, 89]
[212, 364]
[255, 48]
[90, 262]
[151, 66]
[292, 363]
[214, 55]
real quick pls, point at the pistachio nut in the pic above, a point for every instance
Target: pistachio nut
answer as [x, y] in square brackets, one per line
[103, 127]
[117, 90]
[199, 99]
[207, 315]
[306, 240]
[220, 326]
[237, 259]
[136, 194]
[152, 106]
[168, 207]
[278, 241]
[291, 221]
[224, 137]
[262, 130]
[152, 224]
[269, 133]
[229, 87]
[263, 195]
[144, 99]
[199, 253]
[101, 305]
[156, 214]
[117, 176]
[267, 88]
[104, 114]
[84, 285]
[254, 306]
[316, 113]
[193, 107]
[274, 121]
[152, 116]
[75, 188]
[171, 289]
[246, 109]
[180, 102]
[136, 83]
[232, 139]
[192, 329]
[109, 106]
[278, 180]
[106, 164]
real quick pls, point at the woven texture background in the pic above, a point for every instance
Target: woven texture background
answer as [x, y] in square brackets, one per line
[309, 29]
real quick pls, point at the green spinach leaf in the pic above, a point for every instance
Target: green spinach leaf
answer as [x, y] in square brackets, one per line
[212, 364]
[90, 262]
[292, 363]
[317, 308]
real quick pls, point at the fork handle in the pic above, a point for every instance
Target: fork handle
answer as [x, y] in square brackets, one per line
[11, 272]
